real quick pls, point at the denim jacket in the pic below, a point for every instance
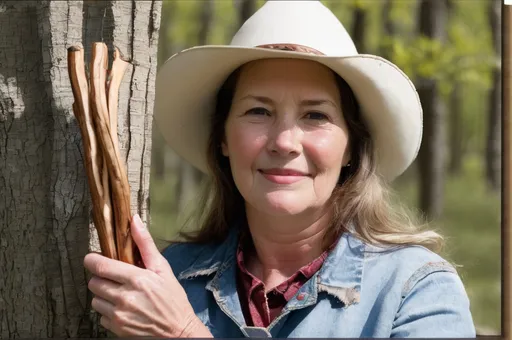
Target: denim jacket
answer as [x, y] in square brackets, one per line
[360, 291]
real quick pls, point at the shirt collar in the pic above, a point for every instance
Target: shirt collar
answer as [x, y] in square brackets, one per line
[340, 275]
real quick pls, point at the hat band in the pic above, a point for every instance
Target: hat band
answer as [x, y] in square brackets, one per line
[292, 47]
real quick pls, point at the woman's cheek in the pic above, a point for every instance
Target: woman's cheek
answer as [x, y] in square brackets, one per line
[245, 144]
[323, 155]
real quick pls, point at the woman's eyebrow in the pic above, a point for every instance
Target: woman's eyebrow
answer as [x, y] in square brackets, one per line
[263, 99]
[306, 102]
[316, 102]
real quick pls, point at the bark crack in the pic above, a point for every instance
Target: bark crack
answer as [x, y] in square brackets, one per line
[129, 113]
[142, 184]
[151, 27]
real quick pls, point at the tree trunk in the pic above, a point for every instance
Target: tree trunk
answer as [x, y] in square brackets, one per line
[246, 8]
[455, 115]
[358, 29]
[189, 176]
[158, 151]
[456, 129]
[207, 10]
[389, 28]
[431, 155]
[493, 147]
[45, 222]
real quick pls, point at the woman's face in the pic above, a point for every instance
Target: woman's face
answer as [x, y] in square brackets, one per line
[286, 138]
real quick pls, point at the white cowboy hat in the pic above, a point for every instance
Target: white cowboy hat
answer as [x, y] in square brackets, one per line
[187, 84]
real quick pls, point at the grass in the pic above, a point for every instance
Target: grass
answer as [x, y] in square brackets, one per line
[470, 224]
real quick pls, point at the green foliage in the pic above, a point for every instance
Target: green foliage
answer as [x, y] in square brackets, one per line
[464, 57]
[404, 18]
[185, 23]
[342, 11]
[224, 22]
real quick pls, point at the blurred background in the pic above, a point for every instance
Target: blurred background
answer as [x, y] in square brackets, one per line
[451, 50]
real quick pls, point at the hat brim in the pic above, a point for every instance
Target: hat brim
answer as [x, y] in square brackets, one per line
[188, 82]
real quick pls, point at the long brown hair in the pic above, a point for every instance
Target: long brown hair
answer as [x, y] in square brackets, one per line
[360, 200]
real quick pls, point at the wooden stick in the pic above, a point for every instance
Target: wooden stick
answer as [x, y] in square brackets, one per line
[118, 69]
[76, 69]
[107, 208]
[116, 170]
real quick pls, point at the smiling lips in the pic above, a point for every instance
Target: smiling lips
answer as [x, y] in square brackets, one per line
[283, 176]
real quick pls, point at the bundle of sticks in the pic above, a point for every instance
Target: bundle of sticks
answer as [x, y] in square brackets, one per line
[95, 109]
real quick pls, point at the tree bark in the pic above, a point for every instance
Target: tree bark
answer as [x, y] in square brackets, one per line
[431, 155]
[493, 145]
[45, 223]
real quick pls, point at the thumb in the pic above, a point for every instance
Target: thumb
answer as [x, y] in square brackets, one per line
[151, 257]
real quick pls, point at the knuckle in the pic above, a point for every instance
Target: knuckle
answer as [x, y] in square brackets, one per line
[101, 269]
[118, 318]
[103, 322]
[128, 301]
[90, 284]
[139, 282]
[94, 303]
[93, 282]
[152, 276]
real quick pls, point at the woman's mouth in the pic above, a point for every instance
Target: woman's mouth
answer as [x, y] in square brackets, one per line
[283, 176]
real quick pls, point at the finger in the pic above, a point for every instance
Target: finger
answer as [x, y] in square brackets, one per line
[104, 288]
[106, 322]
[103, 307]
[152, 258]
[107, 268]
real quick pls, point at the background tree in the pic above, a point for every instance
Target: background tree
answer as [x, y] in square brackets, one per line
[45, 225]
[246, 8]
[432, 24]
[160, 155]
[190, 177]
[359, 27]
[493, 145]
[455, 111]
[388, 29]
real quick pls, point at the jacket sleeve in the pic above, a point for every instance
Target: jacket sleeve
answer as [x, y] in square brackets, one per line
[434, 304]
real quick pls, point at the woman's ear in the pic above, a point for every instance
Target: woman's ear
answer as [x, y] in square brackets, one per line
[224, 148]
[346, 159]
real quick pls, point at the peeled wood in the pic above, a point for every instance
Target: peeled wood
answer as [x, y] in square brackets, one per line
[116, 75]
[96, 113]
[107, 208]
[116, 170]
[93, 156]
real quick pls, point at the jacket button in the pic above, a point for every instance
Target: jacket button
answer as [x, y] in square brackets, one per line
[301, 296]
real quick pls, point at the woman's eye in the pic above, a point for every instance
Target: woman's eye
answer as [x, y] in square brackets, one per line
[317, 116]
[258, 111]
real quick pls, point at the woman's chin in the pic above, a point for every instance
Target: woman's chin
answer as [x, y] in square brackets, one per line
[282, 206]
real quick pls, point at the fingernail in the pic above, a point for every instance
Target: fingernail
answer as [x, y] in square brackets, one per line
[138, 222]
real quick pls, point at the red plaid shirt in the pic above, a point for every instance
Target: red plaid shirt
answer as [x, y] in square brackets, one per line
[261, 309]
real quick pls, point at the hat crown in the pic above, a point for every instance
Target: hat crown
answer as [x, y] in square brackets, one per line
[306, 23]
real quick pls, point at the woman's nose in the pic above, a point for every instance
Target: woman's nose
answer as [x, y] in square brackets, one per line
[285, 139]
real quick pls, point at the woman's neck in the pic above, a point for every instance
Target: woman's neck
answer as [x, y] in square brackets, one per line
[284, 244]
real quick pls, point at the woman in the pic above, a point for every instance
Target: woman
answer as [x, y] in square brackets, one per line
[299, 135]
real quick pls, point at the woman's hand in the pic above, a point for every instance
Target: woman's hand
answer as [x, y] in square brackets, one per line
[141, 302]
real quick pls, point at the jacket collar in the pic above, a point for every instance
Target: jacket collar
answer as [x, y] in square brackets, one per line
[340, 275]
